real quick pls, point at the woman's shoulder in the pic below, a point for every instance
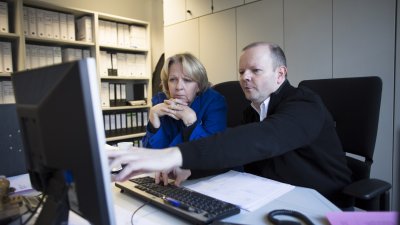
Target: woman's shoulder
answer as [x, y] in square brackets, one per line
[159, 97]
[210, 92]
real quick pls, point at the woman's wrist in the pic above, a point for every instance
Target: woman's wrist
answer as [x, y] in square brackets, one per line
[188, 124]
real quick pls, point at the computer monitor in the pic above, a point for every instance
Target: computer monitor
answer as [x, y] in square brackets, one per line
[59, 113]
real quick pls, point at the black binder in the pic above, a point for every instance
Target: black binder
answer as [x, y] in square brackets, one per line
[12, 156]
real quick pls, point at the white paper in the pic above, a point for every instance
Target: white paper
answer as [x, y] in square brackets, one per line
[20, 183]
[245, 190]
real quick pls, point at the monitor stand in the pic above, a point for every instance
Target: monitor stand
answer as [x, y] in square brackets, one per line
[56, 208]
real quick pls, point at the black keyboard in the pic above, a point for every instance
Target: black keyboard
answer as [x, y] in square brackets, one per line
[182, 202]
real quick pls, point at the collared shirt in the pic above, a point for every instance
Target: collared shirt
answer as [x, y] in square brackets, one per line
[263, 109]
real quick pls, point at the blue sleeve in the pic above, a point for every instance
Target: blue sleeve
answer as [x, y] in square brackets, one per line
[213, 120]
[159, 138]
[211, 111]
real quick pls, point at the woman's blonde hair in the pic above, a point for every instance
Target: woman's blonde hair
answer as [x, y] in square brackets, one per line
[192, 68]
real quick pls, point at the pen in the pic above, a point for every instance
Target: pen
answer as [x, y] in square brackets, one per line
[178, 204]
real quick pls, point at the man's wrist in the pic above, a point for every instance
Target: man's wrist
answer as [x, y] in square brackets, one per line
[176, 156]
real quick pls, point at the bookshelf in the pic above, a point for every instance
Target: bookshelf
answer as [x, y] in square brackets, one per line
[41, 34]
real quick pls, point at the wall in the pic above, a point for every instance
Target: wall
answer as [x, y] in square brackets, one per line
[396, 130]
[322, 39]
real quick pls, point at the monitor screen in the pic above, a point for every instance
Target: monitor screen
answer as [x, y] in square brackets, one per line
[60, 117]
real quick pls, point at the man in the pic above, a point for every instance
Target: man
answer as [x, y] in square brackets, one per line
[295, 142]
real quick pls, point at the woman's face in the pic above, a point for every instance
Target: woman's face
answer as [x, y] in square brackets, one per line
[181, 86]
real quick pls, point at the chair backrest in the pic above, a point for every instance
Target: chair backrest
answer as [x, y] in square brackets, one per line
[235, 100]
[354, 104]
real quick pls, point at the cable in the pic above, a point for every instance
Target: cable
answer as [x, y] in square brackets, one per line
[136, 210]
[283, 212]
[35, 210]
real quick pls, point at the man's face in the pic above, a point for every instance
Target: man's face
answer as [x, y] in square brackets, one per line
[257, 77]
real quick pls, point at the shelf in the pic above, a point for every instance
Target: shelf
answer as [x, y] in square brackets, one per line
[9, 36]
[126, 107]
[125, 78]
[123, 137]
[58, 42]
[7, 75]
[29, 51]
[123, 49]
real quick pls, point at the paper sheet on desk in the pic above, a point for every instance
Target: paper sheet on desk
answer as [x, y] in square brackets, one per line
[21, 183]
[247, 191]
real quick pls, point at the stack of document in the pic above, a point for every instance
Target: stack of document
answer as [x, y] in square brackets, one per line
[248, 191]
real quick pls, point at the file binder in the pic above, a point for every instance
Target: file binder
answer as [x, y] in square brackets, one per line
[107, 124]
[40, 23]
[55, 18]
[113, 131]
[71, 27]
[7, 57]
[123, 123]
[118, 94]
[4, 17]
[105, 94]
[139, 91]
[8, 92]
[129, 122]
[26, 21]
[63, 26]
[118, 123]
[84, 29]
[123, 94]
[48, 27]
[32, 22]
[112, 94]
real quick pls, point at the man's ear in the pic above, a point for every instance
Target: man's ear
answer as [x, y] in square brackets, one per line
[282, 71]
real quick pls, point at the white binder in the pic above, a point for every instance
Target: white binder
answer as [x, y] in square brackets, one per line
[32, 22]
[7, 57]
[71, 27]
[4, 17]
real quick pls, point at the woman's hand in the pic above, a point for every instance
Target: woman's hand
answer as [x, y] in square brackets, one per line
[180, 110]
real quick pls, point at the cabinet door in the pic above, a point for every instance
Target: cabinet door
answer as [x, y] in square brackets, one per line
[364, 45]
[308, 39]
[218, 46]
[258, 22]
[182, 37]
[174, 11]
[196, 8]
[219, 5]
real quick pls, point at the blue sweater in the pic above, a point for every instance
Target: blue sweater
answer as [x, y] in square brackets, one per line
[211, 111]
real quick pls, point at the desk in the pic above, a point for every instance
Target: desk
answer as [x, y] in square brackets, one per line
[304, 200]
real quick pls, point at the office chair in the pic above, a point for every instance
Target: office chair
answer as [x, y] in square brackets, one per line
[235, 100]
[354, 104]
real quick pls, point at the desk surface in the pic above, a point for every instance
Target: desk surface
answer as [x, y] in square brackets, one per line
[304, 200]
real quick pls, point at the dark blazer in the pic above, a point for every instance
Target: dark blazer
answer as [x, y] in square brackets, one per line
[296, 144]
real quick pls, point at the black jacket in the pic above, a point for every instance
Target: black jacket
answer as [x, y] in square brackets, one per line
[296, 144]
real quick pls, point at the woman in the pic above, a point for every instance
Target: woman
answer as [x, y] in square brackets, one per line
[187, 109]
